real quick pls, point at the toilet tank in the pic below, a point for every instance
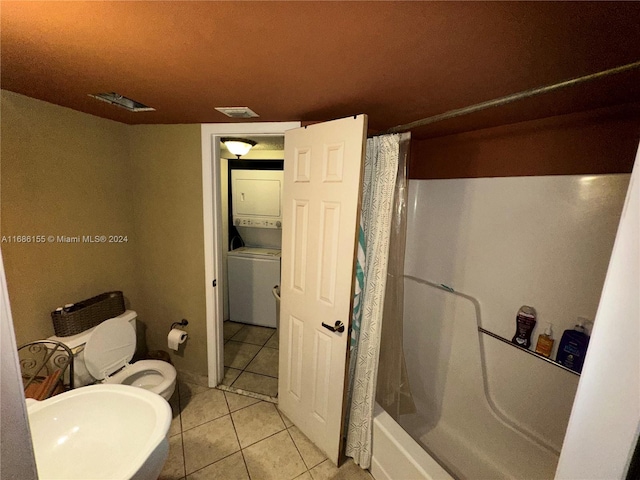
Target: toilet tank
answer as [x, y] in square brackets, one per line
[76, 343]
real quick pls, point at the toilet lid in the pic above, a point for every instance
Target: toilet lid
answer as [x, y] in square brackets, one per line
[110, 347]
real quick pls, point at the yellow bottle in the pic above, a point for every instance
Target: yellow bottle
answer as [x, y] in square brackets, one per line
[545, 342]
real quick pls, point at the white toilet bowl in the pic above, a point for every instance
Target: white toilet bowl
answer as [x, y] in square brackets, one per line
[153, 375]
[108, 349]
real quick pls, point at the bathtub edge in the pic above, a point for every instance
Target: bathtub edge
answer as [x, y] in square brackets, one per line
[397, 456]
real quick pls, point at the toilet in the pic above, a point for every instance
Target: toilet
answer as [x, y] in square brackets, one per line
[102, 355]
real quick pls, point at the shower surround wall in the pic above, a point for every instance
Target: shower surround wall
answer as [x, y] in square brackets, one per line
[539, 241]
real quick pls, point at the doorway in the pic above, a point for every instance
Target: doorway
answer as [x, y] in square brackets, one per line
[215, 170]
[252, 240]
[320, 210]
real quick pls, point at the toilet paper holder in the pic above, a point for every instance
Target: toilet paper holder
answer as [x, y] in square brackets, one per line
[182, 323]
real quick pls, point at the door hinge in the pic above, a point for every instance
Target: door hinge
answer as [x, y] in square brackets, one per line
[215, 283]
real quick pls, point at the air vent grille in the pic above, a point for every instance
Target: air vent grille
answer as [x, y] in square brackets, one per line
[237, 112]
[122, 102]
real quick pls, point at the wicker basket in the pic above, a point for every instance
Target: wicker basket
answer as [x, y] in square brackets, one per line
[87, 313]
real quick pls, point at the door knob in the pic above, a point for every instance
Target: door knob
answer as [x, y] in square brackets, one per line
[338, 327]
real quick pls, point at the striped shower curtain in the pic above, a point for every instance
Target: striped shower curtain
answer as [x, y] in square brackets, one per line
[380, 170]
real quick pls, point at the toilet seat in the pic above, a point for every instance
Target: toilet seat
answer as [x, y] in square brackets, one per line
[108, 352]
[110, 347]
[153, 375]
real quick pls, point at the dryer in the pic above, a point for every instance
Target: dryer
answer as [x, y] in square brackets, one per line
[256, 197]
[253, 272]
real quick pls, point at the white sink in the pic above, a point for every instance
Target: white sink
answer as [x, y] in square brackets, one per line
[100, 432]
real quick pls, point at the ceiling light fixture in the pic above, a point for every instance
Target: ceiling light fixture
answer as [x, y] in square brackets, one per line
[238, 146]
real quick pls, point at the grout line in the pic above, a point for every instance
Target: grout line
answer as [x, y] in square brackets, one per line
[262, 439]
[248, 363]
[237, 438]
[204, 423]
[314, 466]
[242, 408]
[246, 467]
[234, 429]
[244, 369]
[260, 374]
[297, 449]
[252, 358]
[255, 373]
[182, 429]
[184, 459]
[309, 468]
[233, 424]
[282, 418]
[228, 407]
[237, 332]
[259, 326]
[268, 339]
[249, 343]
[213, 463]
[294, 442]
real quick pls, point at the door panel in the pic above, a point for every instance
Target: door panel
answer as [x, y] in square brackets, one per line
[328, 251]
[299, 244]
[322, 183]
[294, 359]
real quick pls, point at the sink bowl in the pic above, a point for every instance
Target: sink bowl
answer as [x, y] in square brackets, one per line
[100, 432]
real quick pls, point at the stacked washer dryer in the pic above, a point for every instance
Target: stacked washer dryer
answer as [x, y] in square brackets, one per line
[254, 270]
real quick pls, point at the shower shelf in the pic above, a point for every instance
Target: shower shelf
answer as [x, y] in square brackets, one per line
[476, 303]
[541, 357]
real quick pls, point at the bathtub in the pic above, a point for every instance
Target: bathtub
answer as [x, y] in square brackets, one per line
[457, 429]
[397, 456]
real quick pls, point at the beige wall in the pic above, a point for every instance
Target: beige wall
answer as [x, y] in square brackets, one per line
[166, 165]
[62, 173]
[68, 173]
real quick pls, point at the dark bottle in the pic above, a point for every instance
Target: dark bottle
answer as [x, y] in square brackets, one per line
[525, 322]
[573, 347]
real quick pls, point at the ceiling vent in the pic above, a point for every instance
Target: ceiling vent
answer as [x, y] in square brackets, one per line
[237, 112]
[122, 102]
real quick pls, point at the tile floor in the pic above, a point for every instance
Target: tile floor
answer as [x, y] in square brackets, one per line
[251, 358]
[218, 435]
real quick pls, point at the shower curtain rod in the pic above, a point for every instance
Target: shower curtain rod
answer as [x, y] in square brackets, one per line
[496, 102]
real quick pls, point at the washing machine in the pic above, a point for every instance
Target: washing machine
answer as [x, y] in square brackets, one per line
[252, 274]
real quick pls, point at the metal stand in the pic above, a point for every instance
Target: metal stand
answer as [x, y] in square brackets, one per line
[43, 358]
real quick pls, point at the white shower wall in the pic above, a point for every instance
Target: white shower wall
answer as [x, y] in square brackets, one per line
[508, 242]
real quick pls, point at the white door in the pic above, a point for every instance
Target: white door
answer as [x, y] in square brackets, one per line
[322, 183]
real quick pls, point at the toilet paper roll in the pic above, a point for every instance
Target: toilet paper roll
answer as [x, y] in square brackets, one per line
[175, 338]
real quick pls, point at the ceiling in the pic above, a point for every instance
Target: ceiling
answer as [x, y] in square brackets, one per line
[395, 61]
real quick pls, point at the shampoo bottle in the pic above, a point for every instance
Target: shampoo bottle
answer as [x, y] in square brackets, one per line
[545, 342]
[573, 347]
[525, 322]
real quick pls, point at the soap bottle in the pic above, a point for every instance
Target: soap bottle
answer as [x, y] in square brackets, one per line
[525, 322]
[545, 342]
[573, 347]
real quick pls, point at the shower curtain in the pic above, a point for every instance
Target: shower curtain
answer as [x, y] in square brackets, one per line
[385, 157]
[393, 393]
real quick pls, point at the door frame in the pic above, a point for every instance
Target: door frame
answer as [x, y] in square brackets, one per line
[212, 221]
